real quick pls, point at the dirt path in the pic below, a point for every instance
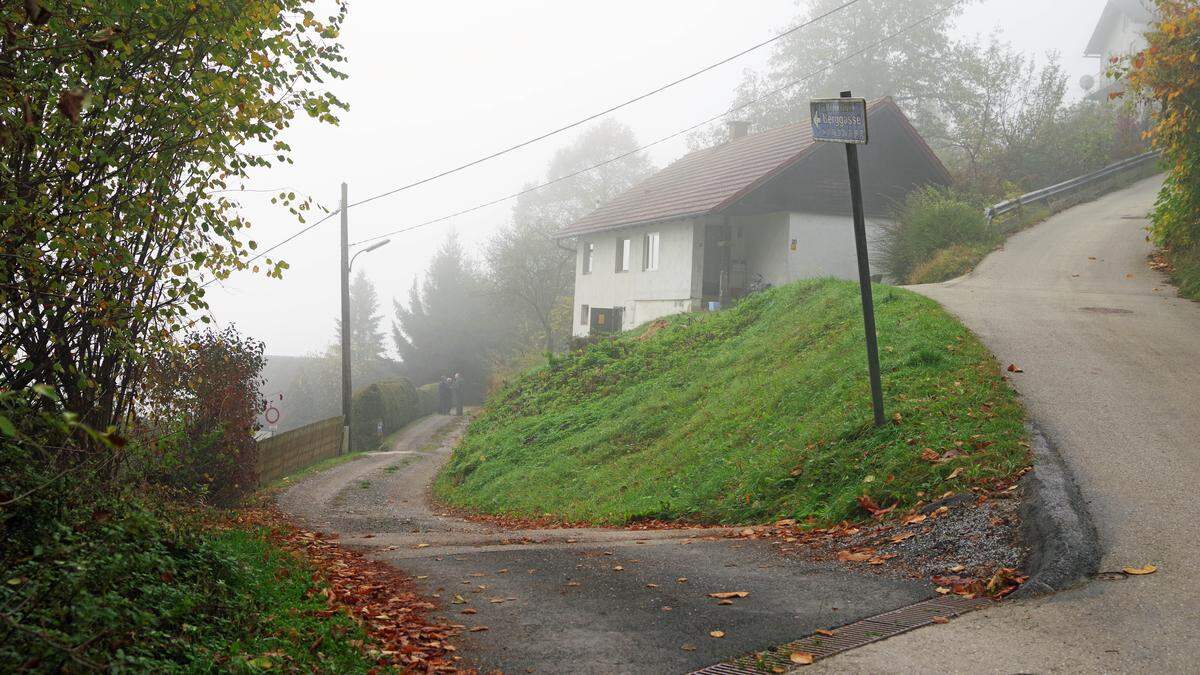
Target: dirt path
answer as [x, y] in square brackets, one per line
[580, 600]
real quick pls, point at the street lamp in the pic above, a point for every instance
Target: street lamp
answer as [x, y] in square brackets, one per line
[344, 273]
[368, 249]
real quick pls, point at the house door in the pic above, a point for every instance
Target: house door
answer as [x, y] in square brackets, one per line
[606, 320]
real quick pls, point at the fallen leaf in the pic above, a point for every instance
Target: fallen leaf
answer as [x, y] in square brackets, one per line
[930, 455]
[651, 585]
[855, 556]
[955, 473]
[801, 658]
[458, 600]
[822, 631]
[914, 519]
[940, 619]
[786, 522]
[477, 629]
[725, 602]
[901, 537]
[572, 583]
[688, 648]
[470, 610]
[1014, 368]
[422, 545]
[618, 568]
[942, 590]
[1140, 571]
[716, 634]
[725, 595]
[958, 568]
[681, 580]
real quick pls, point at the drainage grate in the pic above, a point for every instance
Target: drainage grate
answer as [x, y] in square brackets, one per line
[850, 636]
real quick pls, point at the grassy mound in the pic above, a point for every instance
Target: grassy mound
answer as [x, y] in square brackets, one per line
[761, 411]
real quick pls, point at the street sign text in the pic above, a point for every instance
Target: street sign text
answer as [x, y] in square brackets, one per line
[840, 120]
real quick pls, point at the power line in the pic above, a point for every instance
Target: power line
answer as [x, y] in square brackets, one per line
[664, 139]
[277, 245]
[611, 109]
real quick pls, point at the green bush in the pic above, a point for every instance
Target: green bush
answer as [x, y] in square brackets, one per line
[427, 396]
[380, 409]
[96, 575]
[1186, 274]
[931, 219]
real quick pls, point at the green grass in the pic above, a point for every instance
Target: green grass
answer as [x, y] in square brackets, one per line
[316, 467]
[948, 263]
[141, 589]
[1186, 274]
[758, 412]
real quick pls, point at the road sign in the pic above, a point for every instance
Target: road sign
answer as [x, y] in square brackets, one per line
[844, 120]
[839, 120]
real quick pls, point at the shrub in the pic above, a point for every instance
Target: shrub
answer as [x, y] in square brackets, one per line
[380, 409]
[929, 220]
[1165, 76]
[198, 414]
[427, 397]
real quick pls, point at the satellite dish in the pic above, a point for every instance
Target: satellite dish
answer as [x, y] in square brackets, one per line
[1087, 82]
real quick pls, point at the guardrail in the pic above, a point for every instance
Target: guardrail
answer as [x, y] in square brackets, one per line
[1069, 186]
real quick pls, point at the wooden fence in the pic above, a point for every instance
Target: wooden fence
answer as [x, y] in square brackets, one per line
[296, 449]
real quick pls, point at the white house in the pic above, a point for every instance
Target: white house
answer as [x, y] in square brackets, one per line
[1121, 31]
[773, 205]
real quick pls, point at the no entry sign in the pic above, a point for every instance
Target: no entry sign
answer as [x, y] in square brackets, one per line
[839, 120]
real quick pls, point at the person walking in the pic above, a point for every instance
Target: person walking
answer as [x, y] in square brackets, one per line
[443, 396]
[456, 390]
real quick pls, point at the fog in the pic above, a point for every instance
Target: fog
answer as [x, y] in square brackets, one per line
[434, 85]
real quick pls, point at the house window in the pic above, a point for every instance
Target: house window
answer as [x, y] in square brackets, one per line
[589, 254]
[584, 313]
[624, 249]
[650, 252]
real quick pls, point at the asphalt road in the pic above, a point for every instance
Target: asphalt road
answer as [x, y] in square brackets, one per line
[1112, 373]
[580, 600]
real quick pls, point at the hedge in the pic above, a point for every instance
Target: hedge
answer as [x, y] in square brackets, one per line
[380, 409]
[428, 398]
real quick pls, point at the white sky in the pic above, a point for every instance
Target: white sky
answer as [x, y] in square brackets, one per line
[435, 84]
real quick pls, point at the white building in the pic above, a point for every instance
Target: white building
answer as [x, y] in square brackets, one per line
[1121, 31]
[773, 205]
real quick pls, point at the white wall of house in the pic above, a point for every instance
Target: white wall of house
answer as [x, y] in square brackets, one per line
[644, 294]
[823, 247]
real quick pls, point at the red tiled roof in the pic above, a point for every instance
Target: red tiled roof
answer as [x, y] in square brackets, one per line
[708, 180]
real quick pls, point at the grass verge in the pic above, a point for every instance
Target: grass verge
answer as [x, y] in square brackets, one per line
[758, 412]
[146, 589]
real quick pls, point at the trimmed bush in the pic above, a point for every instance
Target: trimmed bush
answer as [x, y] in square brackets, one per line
[427, 396]
[931, 219]
[380, 409]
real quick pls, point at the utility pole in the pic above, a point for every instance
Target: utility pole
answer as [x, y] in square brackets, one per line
[344, 274]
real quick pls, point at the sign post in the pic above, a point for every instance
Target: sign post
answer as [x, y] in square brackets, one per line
[844, 120]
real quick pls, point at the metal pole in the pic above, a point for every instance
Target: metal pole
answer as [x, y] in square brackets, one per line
[344, 275]
[864, 278]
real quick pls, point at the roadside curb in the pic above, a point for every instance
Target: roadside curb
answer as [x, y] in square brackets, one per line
[1064, 548]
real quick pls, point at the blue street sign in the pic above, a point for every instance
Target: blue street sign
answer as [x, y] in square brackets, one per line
[840, 120]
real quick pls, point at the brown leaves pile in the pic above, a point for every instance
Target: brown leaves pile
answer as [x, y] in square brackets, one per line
[378, 597]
